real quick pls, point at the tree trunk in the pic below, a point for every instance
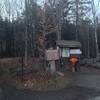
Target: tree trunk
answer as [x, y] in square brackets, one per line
[95, 28]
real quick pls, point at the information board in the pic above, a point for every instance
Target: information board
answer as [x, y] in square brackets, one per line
[52, 55]
[64, 52]
[75, 51]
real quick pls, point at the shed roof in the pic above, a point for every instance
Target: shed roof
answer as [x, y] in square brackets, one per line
[64, 43]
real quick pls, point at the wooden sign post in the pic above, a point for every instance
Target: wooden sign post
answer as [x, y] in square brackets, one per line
[51, 57]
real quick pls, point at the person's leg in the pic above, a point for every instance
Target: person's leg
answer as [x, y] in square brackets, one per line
[78, 66]
[73, 68]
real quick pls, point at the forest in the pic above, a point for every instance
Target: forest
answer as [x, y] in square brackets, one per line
[26, 27]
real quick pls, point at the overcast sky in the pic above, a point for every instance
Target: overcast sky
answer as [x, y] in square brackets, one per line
[96, 3]
[20, 6]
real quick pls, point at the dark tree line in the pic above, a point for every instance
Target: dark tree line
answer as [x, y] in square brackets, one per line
[37, 23]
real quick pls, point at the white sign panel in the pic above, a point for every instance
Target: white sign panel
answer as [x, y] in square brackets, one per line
[75, 51]
[52, 55]
[65, 52]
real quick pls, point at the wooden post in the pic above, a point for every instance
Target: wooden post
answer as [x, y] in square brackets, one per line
[51, 56]
[22, 79]
[52, 67]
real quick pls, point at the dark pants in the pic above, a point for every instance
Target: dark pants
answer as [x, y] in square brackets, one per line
[77, 66]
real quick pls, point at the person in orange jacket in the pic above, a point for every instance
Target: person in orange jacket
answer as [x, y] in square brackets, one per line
[73, 61]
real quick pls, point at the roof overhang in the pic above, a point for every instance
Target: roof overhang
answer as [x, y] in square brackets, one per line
[68, 44]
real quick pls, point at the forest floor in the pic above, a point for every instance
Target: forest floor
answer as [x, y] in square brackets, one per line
[84, 85]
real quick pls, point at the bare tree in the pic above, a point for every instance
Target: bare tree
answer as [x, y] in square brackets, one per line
[32, 25]
[94, 12]
[53, 15]
[26, 32]
[81, 9]
[73, 11]
[7, 7]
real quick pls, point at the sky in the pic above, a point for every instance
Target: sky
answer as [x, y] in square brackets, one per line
[40, 2]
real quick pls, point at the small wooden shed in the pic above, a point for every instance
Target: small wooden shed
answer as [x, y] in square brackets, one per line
[68, 48]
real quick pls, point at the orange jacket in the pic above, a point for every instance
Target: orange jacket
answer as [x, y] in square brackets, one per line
[73, 60]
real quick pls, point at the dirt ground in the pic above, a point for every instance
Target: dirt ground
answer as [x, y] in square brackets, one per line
[85, 85]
